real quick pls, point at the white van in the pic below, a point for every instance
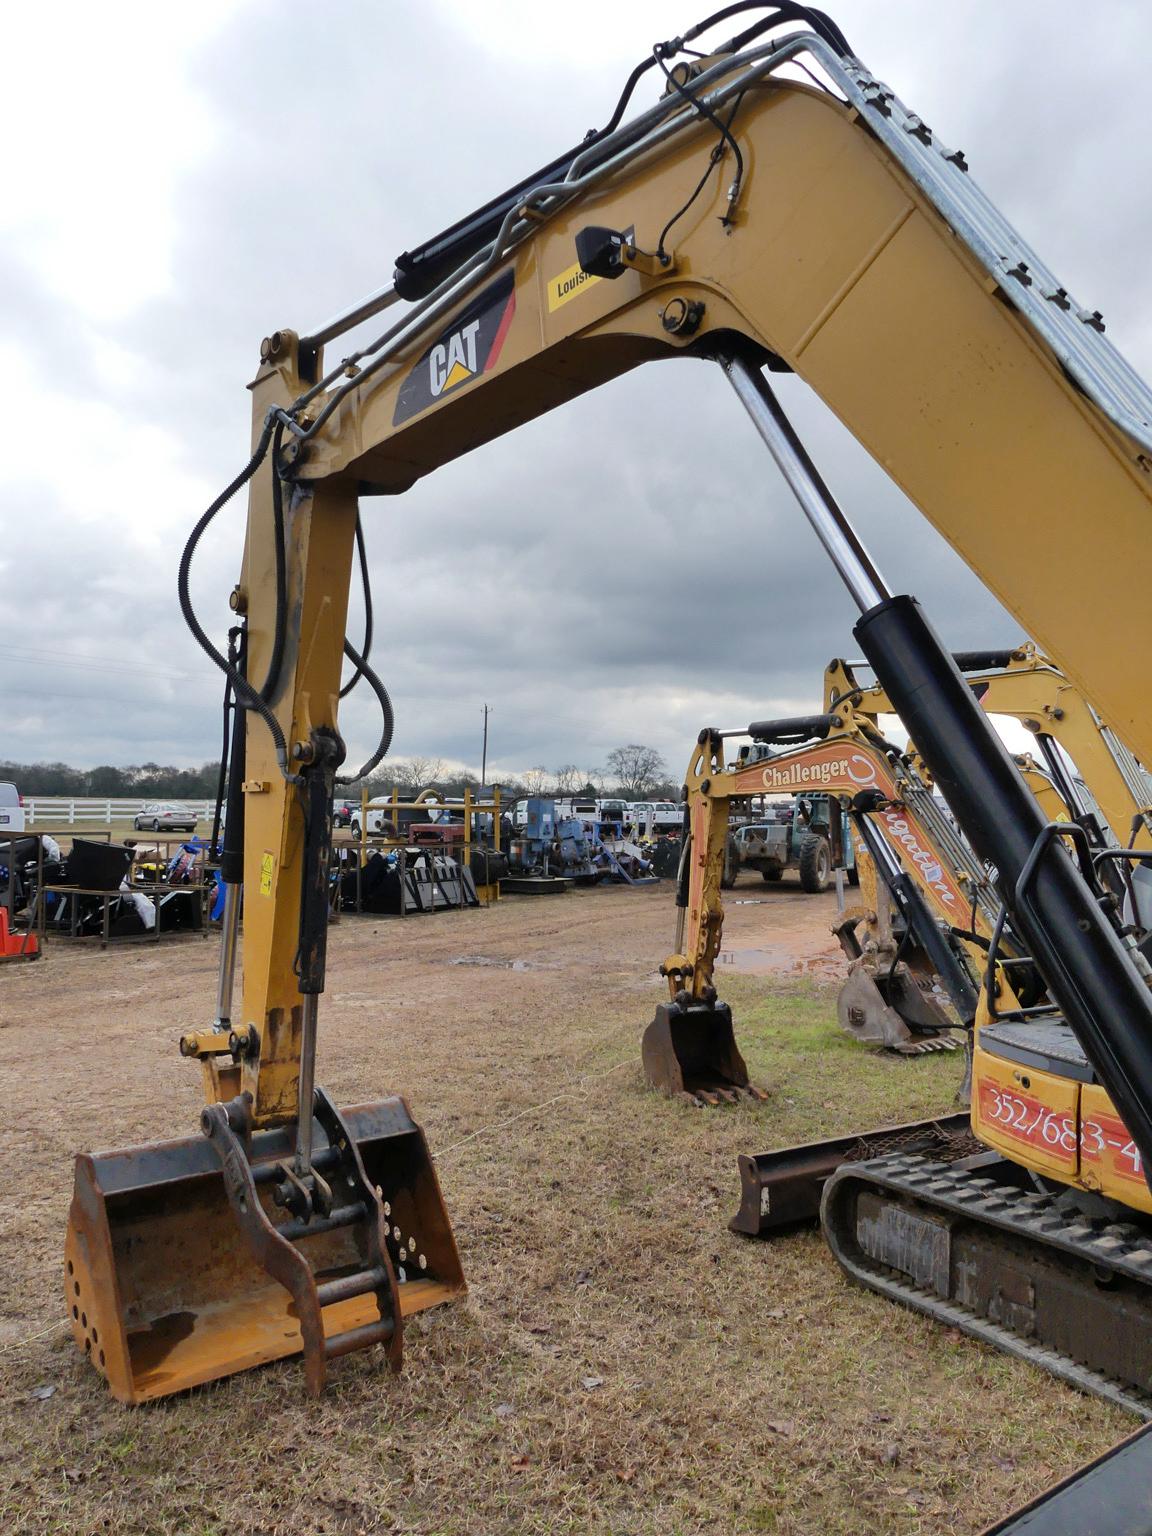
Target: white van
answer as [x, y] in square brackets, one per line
[11, 809]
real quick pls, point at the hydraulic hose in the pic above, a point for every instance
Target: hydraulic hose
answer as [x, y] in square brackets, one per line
[366, 648]
[389, 718]
[241, 687]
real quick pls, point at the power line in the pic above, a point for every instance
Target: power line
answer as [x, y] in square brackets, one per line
[30, 657]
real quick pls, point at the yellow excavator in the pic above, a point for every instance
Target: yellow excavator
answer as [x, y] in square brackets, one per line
[910, 852]
[927, 910]
[776, 209]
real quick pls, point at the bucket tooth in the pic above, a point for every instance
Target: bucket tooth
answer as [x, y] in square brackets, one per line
[691, 1049]
[165, 1291]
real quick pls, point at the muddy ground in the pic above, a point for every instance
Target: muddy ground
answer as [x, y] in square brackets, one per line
[622, 1364]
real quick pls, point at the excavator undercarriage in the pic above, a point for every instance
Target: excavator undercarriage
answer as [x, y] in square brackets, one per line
[975, 1245]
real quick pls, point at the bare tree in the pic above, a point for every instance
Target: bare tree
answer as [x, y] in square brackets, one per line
[535, 781]
[567, 779]
[637, 769]
[413, 774]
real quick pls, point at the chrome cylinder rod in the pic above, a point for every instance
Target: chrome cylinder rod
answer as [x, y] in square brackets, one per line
[372, 305]
[226, 979]
[820, 507]
[307, 1096]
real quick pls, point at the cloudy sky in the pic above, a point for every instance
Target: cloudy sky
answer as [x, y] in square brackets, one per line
[180, 180]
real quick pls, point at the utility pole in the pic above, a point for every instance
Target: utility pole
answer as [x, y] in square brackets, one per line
[484, 754]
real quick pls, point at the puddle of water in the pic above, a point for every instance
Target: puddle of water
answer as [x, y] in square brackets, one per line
[757, 961]
[496, 963]
[766, 960]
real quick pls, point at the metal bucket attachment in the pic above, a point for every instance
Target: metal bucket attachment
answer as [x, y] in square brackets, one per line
[779, 1190]
[166, 1285]
[895, 1010]
[689, 1051]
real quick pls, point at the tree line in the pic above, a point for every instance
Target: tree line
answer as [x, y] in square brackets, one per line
[632, 771]
[140, 781]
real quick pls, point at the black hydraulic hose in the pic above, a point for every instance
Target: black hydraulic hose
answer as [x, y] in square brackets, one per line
[242, 688]
[820, 22]
[220, 778]
[389, 725]
[268, 688]
[726, 137]
[366, 648]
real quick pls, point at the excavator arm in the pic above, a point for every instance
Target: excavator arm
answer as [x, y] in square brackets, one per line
[826, 231]
[1028, 686]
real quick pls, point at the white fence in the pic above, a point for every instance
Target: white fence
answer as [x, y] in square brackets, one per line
[56, 811]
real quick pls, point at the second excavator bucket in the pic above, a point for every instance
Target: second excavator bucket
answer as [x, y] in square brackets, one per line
[895, 1010]
[689, 1051]
[168, 1284]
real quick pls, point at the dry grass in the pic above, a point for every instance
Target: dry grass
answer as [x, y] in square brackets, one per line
[739, 1387]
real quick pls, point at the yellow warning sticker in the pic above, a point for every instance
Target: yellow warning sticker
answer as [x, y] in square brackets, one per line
[267, 865]
[568, 284]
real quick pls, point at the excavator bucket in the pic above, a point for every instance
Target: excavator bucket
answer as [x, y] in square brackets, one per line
[689, 1051]
[895, 1010]
[172, 1249]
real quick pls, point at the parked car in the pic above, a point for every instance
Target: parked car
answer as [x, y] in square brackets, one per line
[11, 809]
[165, 817]
[342, 813]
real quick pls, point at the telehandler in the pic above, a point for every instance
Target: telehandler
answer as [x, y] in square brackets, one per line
[757, 218]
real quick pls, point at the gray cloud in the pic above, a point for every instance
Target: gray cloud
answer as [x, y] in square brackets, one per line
[628, 568]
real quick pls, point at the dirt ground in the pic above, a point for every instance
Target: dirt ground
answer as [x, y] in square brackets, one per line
[622, 1364]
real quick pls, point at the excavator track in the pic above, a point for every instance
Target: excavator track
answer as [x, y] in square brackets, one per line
[1009, 1266]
